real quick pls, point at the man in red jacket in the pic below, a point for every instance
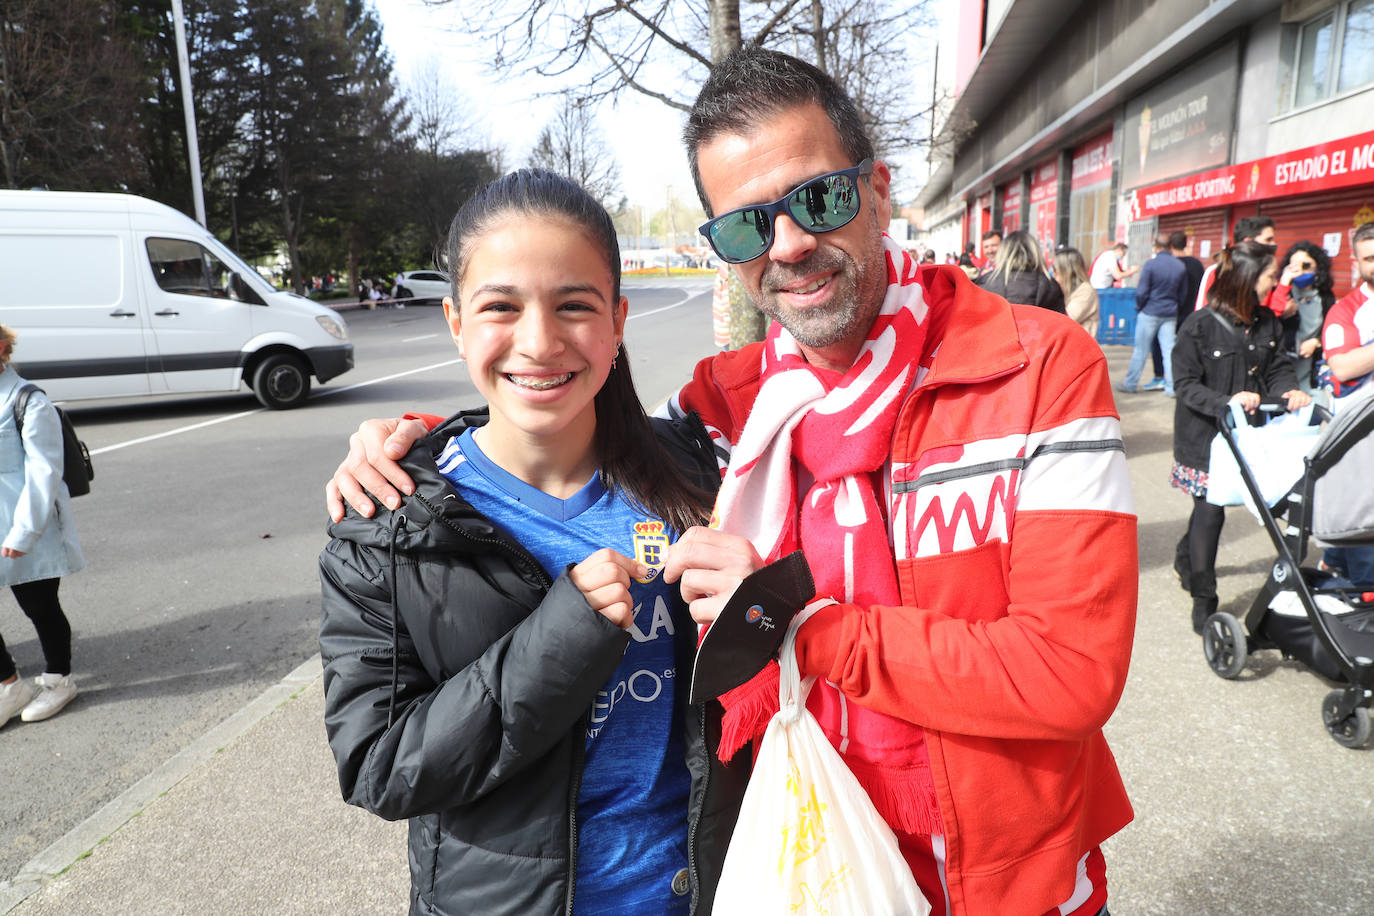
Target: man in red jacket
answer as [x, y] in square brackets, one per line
[952, 468]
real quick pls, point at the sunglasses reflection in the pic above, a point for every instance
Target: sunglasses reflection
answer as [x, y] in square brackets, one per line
[822, 204]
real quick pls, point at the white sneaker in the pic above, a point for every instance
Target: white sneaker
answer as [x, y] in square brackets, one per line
[54, 692]
[13, 698]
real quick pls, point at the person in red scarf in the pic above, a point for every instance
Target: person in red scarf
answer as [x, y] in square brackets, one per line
[952, 468]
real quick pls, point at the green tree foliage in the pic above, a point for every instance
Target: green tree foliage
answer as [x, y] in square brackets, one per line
[68, 93]
[304, 140]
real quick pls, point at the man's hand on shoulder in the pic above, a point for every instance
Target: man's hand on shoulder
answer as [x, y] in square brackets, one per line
[371, 467]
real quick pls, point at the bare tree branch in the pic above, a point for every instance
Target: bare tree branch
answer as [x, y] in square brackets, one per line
[766, 30]
[654, 27]
[630, 81]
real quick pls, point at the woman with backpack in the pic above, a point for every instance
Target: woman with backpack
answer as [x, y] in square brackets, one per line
[40, 545]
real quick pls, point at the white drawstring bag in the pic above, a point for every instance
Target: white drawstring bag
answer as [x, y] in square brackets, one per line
[808, 840]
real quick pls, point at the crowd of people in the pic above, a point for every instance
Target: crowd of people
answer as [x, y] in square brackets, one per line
[1253, 325]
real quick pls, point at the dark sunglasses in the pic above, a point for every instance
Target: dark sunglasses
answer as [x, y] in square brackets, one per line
[820, 205]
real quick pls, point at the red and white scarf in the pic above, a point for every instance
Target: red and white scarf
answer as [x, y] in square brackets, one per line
[835, 432]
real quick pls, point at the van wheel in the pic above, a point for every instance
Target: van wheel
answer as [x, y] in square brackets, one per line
[281, 382]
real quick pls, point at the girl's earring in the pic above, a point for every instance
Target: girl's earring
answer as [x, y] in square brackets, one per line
[614, 360]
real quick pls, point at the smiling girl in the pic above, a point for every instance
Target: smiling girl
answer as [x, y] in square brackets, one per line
[501, 656]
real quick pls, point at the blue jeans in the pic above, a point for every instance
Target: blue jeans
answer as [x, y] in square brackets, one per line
[1356, 563]
[1147, 328]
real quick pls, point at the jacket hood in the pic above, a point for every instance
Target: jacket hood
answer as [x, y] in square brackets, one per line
[437, 518]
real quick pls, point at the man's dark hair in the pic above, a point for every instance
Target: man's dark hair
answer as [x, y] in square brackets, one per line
[1162, 241]
[1178, 240]
[992, 233]
[1364, 233]
[1249, 227]
[970, 248]
[753, 84]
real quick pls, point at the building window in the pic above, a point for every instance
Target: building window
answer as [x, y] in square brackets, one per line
[1335, 53]
[1357, 50]
[1314, 59]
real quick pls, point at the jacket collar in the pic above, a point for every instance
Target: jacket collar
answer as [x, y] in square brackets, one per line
[973, 335]
[436, 515]
[9, 381]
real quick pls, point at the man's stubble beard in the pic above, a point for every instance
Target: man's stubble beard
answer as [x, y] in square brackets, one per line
[854, 304]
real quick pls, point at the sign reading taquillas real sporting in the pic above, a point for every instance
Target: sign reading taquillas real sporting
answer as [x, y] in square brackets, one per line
[1324, 167]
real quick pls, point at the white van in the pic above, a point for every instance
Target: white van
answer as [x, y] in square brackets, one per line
[114, 295]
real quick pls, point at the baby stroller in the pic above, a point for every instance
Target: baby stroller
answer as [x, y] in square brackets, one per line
[1308, 613]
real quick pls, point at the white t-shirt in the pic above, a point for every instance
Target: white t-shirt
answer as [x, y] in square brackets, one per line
[1101, 276]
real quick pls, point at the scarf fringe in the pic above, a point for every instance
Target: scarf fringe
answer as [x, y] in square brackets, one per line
[906, 799]
[748, 710]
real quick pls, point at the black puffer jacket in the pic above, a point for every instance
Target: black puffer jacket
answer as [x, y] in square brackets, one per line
[458, 680]
[1213, 360]
[1027, 287]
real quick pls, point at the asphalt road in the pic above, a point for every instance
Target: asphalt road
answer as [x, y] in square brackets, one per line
[201, 533]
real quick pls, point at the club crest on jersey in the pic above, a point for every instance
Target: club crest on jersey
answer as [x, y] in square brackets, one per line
[651, 542]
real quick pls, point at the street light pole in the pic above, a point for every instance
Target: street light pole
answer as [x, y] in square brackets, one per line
[192, 146]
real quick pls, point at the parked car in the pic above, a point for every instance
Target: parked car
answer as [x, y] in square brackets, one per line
[428, 286]
[114, 295]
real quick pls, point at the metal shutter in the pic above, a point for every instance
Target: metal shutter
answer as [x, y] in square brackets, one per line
[1200, 225]
[1313, 216]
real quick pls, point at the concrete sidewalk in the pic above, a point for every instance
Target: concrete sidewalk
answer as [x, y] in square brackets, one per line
[1243, 803]
[246, 820]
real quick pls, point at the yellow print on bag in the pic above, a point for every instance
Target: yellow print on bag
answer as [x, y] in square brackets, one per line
[803, 839]
[807, 902]
[815, 903]
[840, 879]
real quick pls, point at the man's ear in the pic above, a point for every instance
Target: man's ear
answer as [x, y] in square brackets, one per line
[881, 182]
[455, 326]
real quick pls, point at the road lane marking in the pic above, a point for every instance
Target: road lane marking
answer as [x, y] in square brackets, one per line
[686, 297]
[421, 337]
[248, 413]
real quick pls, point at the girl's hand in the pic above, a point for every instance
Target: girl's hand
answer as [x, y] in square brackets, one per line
[1308, 347]
[1248, 400]
[10, 553]
[1296, 399]
[604, 580]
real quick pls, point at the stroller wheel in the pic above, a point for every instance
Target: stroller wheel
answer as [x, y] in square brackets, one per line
[1354, 730]
[1223, 643]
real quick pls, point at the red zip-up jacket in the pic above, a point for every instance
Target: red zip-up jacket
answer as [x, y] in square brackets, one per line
[1014, 534]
